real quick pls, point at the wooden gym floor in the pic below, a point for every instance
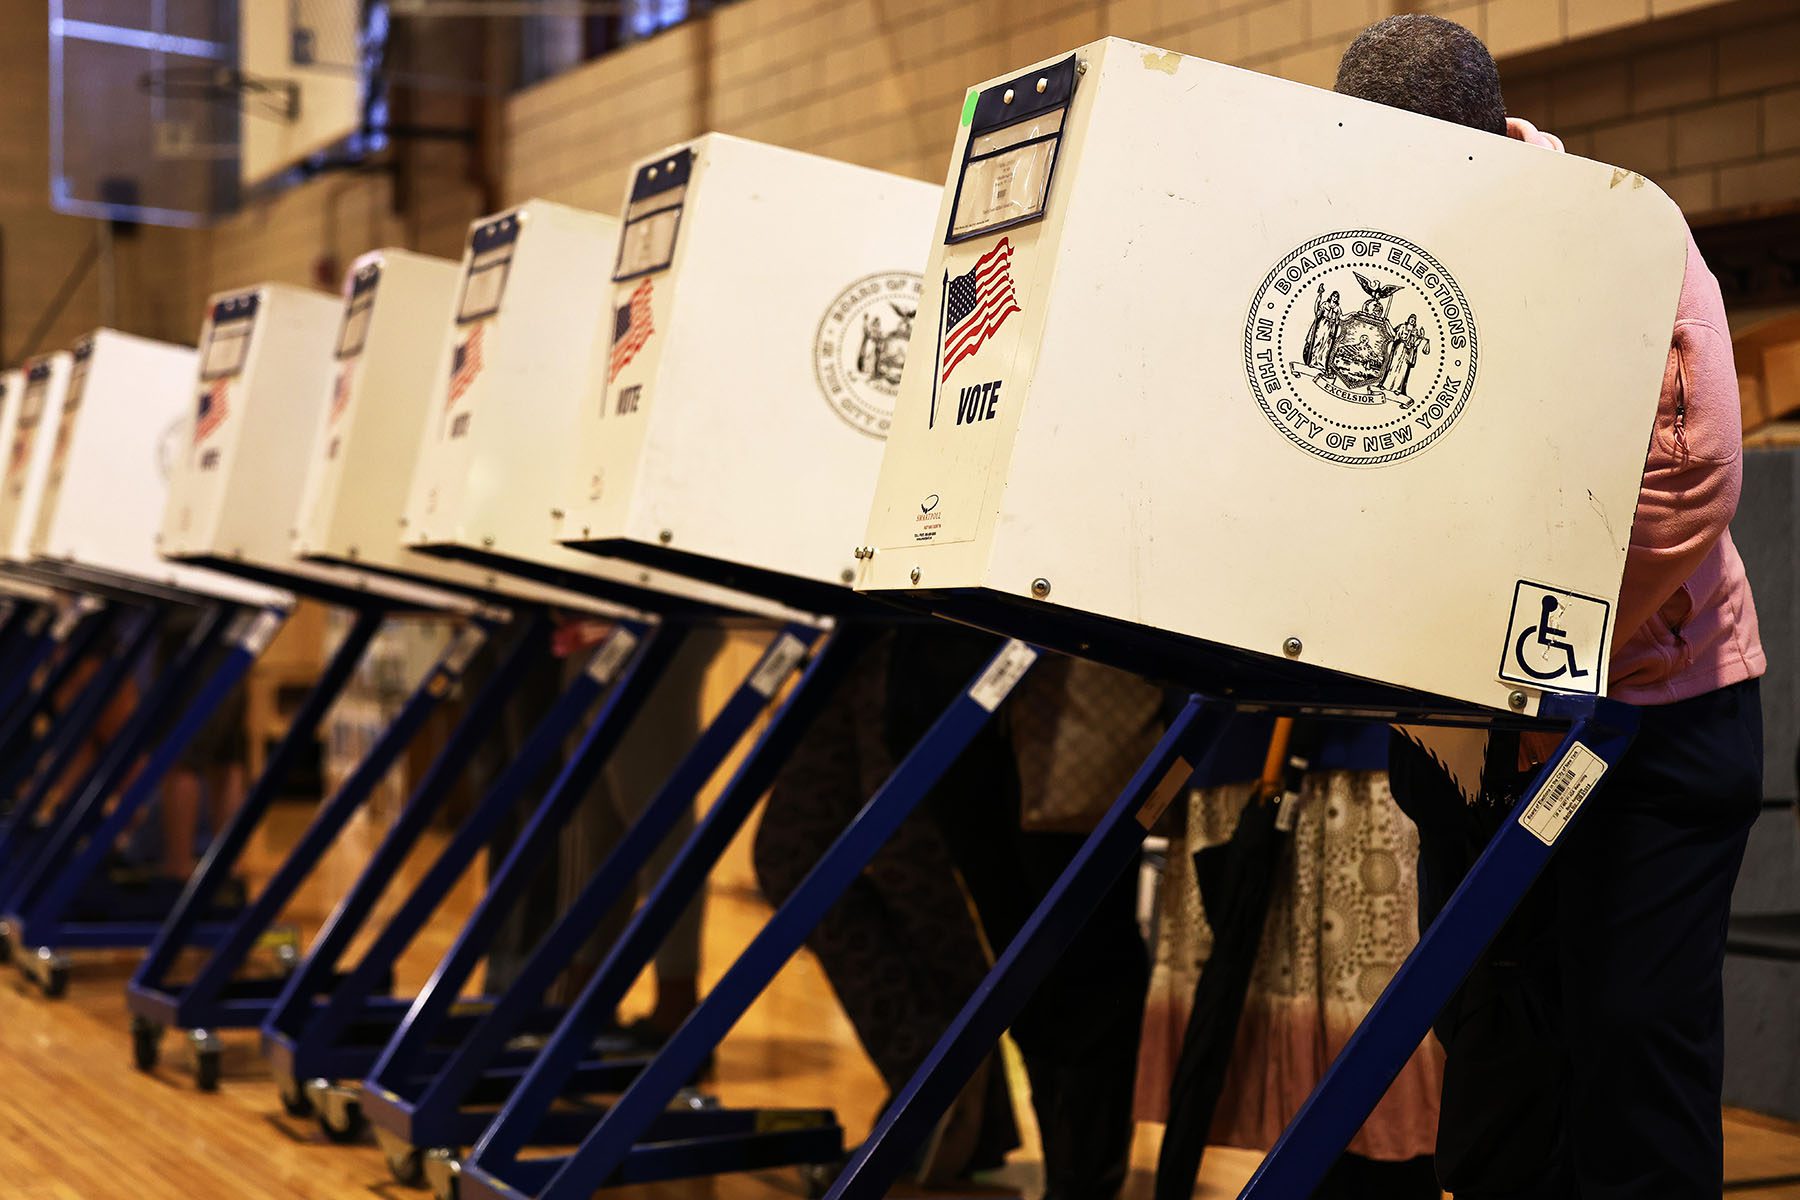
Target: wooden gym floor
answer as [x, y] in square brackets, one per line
[78, 1123]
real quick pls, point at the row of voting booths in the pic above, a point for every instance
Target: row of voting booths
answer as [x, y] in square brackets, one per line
[1089, 395]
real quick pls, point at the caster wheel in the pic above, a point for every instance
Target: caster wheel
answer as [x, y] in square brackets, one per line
[342, 1120]
[208, 1058]
[146, 1043]
[56, 982]
[206, 1071]
[5, 947]
[443, 1172]
[406, 1164]
[294, 1100]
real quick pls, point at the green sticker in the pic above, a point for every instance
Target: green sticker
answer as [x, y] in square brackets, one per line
[969, 107]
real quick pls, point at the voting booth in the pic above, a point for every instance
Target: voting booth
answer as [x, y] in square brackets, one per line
[92, 439]
[733, 453]
[391, 349]
[45, 382]
[12, 387]
[739, 453]
[496, 446]
[112, 447]
[1264, 390]
[1138, 421]
[278, 372]
[391, 364]
[761, 308]
[265, 359]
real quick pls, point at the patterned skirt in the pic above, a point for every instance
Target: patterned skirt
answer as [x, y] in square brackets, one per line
[1343, 916]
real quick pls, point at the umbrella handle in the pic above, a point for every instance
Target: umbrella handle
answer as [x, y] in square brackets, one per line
[1272, 783]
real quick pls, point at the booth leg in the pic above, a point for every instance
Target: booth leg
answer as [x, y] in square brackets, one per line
[46, 896]
[626, 683]
[433, 1115]
[605, 1151]
[228, 845]
[1058, 918]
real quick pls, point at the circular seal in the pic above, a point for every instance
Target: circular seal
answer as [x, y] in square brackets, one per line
[1360, 348]
[860, 349]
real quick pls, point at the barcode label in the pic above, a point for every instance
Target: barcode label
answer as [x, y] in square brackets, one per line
[1562, 794]
[612, 655]
[259, 631]
[778, 662]
[462, 648]
[997, 682]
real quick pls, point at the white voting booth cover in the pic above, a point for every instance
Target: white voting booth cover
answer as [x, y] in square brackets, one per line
[761, 307]
[499, 438]
[12, 389]
[107, 477]
[46, 382]
[265, 363]
[1226, 357]
[390, 347]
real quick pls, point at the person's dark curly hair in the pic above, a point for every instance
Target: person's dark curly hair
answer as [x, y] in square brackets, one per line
[1426, 65]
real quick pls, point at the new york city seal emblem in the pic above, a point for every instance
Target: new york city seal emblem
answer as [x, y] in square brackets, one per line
[859, 351]
[1360, 348]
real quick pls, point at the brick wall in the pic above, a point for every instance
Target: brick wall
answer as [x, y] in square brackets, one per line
[1702, 96]
[1713, 119]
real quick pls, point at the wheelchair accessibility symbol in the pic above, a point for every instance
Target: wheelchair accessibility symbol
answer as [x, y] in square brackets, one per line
[1555, 639]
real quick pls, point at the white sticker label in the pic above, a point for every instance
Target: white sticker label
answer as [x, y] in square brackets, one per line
[462, 648]
[778, 662]
[259, 631]
[1557, 801]
[612, 655]
[998, 681]
[1554, 639]
[66, 620]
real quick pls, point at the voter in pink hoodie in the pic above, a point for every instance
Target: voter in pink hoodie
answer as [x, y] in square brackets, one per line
[1585, 1053]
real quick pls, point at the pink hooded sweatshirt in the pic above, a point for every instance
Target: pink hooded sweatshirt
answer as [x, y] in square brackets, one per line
[1686, 623]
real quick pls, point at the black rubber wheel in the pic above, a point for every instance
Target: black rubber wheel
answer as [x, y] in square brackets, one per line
[5, 948]
[351, 1130]
[206, 1070]
[406, 1166]
[56, 982]
[294, 1101]
[146, 1044]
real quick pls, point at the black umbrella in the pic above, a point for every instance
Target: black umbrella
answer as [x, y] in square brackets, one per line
[1236, 879]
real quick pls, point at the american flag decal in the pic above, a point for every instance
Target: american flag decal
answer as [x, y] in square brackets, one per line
[466, 364]
[631, 329]
[977, 304]
[212, 410]
[340, 395]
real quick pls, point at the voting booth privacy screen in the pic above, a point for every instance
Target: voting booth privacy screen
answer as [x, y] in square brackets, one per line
[761, 309]
[265, 361]
[44, 383]
[495, 450]
[12, 388]
[1361, 411]
[392, 347]
[112, 447]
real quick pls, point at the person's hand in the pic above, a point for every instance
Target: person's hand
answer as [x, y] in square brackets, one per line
[1536, 746]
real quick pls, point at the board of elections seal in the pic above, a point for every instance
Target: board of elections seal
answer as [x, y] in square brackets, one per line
[860, 349]
[1360, 348]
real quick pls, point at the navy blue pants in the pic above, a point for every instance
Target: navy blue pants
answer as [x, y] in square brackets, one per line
[1585, 1054]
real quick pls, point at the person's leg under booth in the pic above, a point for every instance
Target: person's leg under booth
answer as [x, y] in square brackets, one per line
[1585, 1052]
